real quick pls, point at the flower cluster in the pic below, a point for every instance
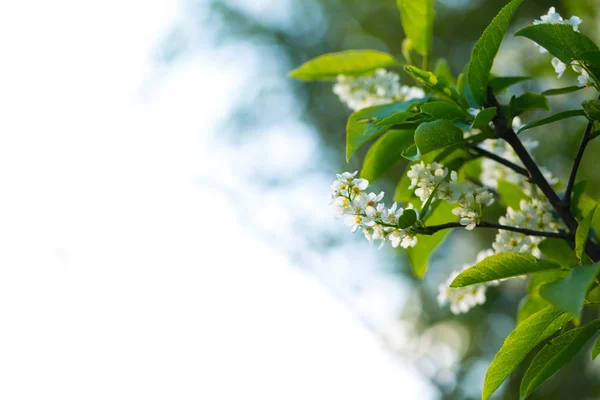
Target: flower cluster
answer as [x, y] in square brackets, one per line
[432, 181]
[554, 18]
[366, 212]
[380, 87]
[461, 300]
[535, 214]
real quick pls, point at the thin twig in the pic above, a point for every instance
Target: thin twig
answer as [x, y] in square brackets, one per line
[430, 230]
[584, 142]
[519, 170]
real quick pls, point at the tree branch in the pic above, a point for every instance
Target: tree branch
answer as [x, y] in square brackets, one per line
[584, 142]
[519, 170]
[430, 230]
[506, 132]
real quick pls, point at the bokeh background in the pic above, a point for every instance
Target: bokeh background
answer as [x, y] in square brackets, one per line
[164, 220]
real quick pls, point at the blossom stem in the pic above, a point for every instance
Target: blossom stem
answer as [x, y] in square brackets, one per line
[587, 137]
[504, 131]
[430, 230]
[519, 170]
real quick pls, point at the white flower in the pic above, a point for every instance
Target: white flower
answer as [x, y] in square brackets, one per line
[551, 18]
[583, 79]
[575, 22]
[379, 87]
[559, 67]
[461, 299]
[468, 217]
[554, 18]
[358, 221]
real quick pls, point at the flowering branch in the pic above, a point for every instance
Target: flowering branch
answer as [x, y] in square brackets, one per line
[587, 137]
[430, 230]
[519, 170]
[504, 131]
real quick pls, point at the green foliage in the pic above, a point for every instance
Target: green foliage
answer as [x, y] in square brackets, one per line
[485, 51]
[564, 90]
[533, 302]
[361, 121]
[349, 62]
[576, 284]
[407, 219]
[501, 83]
[527, 102]
[519, 343]
[555, 355]
[582, 204]
[596, 349]
[511, 194]
[553, 118]
[560, 40]
[583, 231]
[501, 266]
[419, 256]
[483, 119]
[443, 71]
[559, 251]
[436, 135]
[444, 110]
[417, 21]
[434, 83]
[592, 109]
[386, 152]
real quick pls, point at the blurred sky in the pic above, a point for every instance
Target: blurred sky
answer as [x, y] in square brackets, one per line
[138, 259]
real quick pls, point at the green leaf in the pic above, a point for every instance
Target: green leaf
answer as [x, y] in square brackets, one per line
[529, 306]
[592, 109]
[582, 204]
[569, 293]
[398, 119]
[420, 255]
[444, 110]
[485, 51]
[511, 194]
[349, 62]
[519, 343]
[592, 60]
[407, 219]
[559, 251]
[555, 355]
[533, 302]
[430, 80]
[501, 266]
[596, 349]
[386, 152]
[583, 231]
[553, 118]
[360, 121]
[483, 119]
[527, 102]
[443, 71]
[417, 21]
[436, 135]
[501, 83]
[565, 90]
[560, 40]
[412, 153]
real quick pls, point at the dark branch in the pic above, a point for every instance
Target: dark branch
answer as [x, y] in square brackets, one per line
[505, 132]
[584, 142]
[430, 230]
[519, 170]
